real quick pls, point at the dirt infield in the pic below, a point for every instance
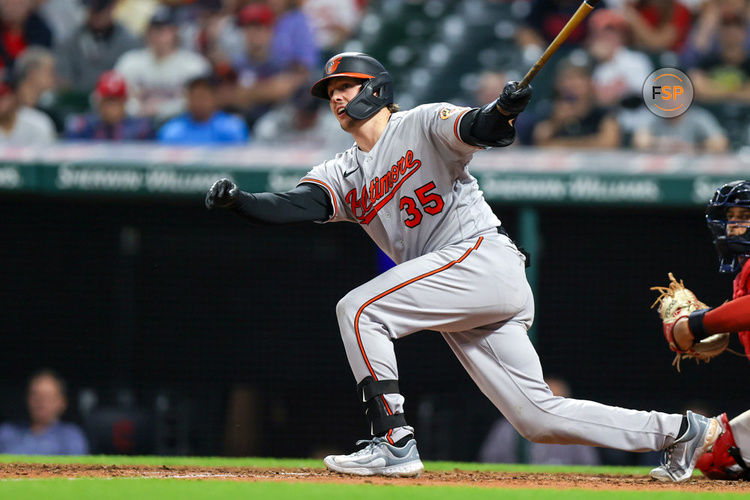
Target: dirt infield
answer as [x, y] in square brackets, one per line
[430, 478]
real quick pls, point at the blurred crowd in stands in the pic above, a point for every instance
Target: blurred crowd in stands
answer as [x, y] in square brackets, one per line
[190, 72]
[43, 432]
[596, 100]
[197, 72]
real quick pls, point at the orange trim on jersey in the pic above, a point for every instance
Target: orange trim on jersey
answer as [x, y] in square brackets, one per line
[330, 192]
[455, 126]
[388, 292]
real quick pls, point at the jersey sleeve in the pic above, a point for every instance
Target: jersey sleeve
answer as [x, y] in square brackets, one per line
[329, 176]
[731, 316]
[442, 121]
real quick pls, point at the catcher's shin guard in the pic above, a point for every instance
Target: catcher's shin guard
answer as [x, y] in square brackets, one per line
[724, 460]
[379, 414]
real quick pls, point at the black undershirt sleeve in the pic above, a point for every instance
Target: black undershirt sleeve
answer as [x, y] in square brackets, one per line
[305, 203]
[487, 127]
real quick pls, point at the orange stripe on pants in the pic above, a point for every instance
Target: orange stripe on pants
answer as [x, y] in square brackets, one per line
[388, 292]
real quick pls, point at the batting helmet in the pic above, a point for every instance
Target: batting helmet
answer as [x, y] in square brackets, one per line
[377, 86]
[733, 250]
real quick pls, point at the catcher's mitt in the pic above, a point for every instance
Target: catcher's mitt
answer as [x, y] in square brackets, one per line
[677, 302]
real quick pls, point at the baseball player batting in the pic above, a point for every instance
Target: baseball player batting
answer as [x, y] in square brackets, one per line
[728, 218]
[405, 181]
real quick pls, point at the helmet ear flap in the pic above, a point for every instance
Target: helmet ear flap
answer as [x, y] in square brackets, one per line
[376, 93]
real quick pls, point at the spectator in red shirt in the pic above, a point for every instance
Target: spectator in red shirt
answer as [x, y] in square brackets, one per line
[292, 51]
[20, 27]
[658, 25]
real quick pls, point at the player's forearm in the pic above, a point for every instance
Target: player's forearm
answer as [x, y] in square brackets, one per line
[733, 316]
[487, 127]
[306, 203]
[492, 125]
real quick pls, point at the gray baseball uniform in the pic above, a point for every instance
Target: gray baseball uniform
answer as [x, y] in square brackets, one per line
[741, 430]
[413, 195]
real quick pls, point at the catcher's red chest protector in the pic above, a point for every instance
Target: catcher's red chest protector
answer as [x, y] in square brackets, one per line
[742, 288]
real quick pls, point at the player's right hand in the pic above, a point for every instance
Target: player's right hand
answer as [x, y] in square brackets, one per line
[513, 100]
[224, 193]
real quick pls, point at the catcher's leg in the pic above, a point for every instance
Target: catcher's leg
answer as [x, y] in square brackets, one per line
[725, 460]
[505, 366]
[741, 427]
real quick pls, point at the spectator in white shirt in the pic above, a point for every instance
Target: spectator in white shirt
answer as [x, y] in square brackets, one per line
[695, 131]
[619, 72]
[22, 125]
[157, 74]
[34, 73]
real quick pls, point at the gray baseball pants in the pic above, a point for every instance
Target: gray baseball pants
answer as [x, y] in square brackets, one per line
[476, 294]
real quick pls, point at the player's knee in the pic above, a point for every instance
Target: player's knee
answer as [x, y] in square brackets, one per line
[347, 307]
[534, 431]
[539, 426]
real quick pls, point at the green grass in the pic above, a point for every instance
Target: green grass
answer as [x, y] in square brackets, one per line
[179, 489]
[166, 489]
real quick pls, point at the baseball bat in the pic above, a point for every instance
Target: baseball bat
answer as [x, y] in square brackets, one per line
[583, 10]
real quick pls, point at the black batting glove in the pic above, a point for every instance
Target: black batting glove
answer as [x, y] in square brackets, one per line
[223, 194]
[513, 100]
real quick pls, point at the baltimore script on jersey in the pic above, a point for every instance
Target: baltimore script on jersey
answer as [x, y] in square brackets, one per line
[381, 189]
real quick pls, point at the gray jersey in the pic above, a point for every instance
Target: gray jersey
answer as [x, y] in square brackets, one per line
[412, 192]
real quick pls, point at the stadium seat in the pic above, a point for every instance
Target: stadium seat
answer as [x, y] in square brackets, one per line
[120, 431]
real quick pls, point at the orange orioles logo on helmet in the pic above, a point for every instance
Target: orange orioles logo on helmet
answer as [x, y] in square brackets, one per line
[332, 65]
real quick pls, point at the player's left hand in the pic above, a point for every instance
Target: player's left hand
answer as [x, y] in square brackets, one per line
[513, 100]
[676, 302]
[224, 193]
